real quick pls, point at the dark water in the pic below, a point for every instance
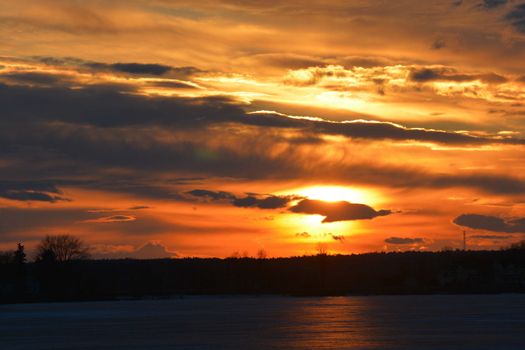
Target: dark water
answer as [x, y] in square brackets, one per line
[391, 322]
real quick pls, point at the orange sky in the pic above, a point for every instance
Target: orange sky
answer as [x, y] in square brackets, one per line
[171, 128]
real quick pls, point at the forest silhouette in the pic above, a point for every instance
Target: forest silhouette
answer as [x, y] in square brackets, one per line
[71, 276]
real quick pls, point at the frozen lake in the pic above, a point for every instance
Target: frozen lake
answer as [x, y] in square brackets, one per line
[374, 322]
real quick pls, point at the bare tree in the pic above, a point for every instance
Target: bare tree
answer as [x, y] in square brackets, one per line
[261, 254]
[235, 255]
[62, 248]
[517, 246]
[321, 248]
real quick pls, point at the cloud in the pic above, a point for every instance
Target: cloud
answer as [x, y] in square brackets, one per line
[134, 68]
[250, 201]
[173, 84]
[36, 78]
[303, 234]
[491, 4]
[139, 207]
[339, 238]
[516, 17]
[134, 150]
[150, 250]
[113, 219]
[269, 202]
[108, 107]
[490, 237]
[335, 237]
[337, 211]
[393, 77]
[491, 223]
[73, 129]
[369, 129]
[140, 68]
[213, 195]
[39, 191]
[438, 44]
[400, 240]
[449, 74]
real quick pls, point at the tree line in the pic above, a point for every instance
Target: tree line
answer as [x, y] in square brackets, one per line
[52, 248]
[61, 271]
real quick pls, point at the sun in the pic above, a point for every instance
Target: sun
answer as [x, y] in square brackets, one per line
[337, 193]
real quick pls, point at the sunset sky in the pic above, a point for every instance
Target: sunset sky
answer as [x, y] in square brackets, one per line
[205, 128]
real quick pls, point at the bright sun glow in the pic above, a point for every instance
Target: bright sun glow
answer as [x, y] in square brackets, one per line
[337, 193]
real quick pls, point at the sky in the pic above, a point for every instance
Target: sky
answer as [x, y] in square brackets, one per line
[230, 127]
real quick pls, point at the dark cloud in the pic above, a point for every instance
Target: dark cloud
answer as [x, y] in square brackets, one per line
[339, 238]
[92, 129]
[140, 68]
[186, 180]
[59, 61]
[491, 237]
[516, 17]
[30, 191]
[213, 195]
[250, 201]
[108, 107]
[447, 74]
[134, 68]
[35, 78]
[370, 130]
[491, 4]
[423, 75]
[337, 211]
[492, 78]
[303, 235]
[139, 207]
[491, 223]
[269, 202]
[401, 240]
[487, 183]
[438, 44]
[145, 69]
[113, 219]
[77, 149]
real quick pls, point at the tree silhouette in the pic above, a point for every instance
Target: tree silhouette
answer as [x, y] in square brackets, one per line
[517, 246]
[321, 249]
[62, 248]
[261, 254]
[19, 257]
[6, 257]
